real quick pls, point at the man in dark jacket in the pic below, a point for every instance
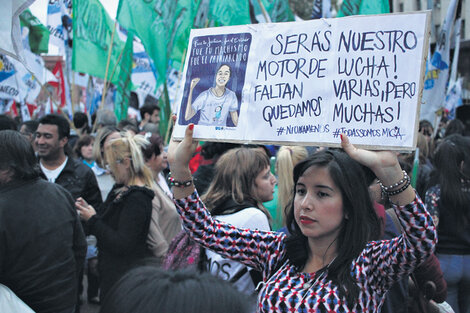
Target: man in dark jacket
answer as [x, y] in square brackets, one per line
[57, 167]
[51, 143]
[42, 244]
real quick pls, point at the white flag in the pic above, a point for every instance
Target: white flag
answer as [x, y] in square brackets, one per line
[143, 73]
[59, 21]
[456, 46]
[435, 83]
[36, 65]
[8, 81]
[454, 97]
[16, 82]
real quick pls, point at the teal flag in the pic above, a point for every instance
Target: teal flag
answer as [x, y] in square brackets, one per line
[185, 15]
[165, 114]
[38, 36]
[92, 32]
[278, 10]
[374, 7]
[124, 85]
[229, 12]
[153, 21]
[363, 7]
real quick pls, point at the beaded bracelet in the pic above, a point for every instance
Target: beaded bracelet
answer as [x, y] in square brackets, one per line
[180, 184]
[395, 185]
[402, 188]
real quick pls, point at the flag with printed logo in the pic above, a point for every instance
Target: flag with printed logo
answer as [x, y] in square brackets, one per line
[59, 21]
[10, 30]
[437, 73]
[16, 82]
[143, 73]
[38, 34]
[454, 97]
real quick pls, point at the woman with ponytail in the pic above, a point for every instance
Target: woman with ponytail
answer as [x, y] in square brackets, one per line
[122, 224]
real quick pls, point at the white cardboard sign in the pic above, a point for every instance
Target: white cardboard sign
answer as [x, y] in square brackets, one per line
[307, 82]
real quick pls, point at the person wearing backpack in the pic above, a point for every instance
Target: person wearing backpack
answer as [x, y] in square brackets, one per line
[242, 181]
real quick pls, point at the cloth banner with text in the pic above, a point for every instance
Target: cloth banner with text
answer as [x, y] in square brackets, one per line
[307, 82]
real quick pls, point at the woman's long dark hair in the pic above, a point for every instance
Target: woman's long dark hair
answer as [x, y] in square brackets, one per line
[451, 162]
[361, 226]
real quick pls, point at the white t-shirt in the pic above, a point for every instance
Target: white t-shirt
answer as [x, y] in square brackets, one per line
[52, 175]
[215, 110]
[252, 218]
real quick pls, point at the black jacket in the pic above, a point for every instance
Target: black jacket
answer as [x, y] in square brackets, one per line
[80, 181]
[42, 244]
[121, 228]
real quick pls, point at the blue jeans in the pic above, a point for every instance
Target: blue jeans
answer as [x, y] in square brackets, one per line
[456, 269]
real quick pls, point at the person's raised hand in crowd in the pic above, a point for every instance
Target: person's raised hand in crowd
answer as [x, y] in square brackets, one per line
[384, 164]
[179, 155]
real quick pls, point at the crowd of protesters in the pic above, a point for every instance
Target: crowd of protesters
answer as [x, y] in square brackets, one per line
[318, 230]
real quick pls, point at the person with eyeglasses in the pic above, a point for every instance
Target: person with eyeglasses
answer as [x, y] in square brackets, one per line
[122, 223]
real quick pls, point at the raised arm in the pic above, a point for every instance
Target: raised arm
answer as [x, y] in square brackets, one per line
[254, 248]
[385, 166]
[387, 261]
[189, 112]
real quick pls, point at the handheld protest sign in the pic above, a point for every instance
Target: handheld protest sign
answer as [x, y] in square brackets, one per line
[308, 82]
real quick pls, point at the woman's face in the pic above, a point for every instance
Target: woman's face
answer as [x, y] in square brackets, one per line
[318, 205]
[158, 163]
[87, 151]
[120, 171]
[223, 75]
[263, 188]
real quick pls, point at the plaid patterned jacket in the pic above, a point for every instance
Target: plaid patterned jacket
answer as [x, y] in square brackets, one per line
[286, 288]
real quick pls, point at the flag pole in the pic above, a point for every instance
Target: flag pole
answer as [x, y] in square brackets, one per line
[176, 94]
[116, 65]
[103, 95]
[265, 13]
[72, 93]
[57, 106]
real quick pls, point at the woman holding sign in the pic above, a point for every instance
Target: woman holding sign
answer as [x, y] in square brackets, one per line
[330, 262]
[215, 103]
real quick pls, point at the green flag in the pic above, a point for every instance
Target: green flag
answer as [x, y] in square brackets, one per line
[153, 21]
[124, 85]
[38, 36]
[363, 7]
[165, 113]
[278, 10]
[92, 32]
[186, 11]
[229, 12]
